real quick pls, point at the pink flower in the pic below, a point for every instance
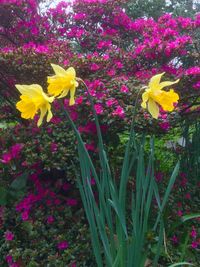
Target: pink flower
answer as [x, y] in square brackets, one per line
[197, 85]
[106, 57]
[187, 196]
[98, 109]
[124, 89]
[6, 158]
[193, 71]
[159, 176]
[194, 244]
[25, 215]
[50, 219]
[90, 147]
[9, 259]
[92, 181]
[79, 16]
[111, 102]
[16, 149]
[66, 186]
[164, 126]
[72, 202]
[193, 233]
[62, 245]
[54, 147]
[56, 120]
[111, 72]
[119, 65]
[57, 202]
[79, 100]
[9, 236]
[94, 67]
[174, 239]
[119, 111]
[179, 213]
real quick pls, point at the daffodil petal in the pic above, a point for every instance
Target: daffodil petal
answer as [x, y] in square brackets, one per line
[43, 111]
[49, 115]
[155, 81]
[167, 83]
[71, 71]
[33, 90]
[145, 97]
[26, 107]
[153, 108]
[59, 71]
[64, 93]
[72, 94]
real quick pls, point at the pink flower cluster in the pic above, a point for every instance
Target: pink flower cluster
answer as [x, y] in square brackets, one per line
[44, 194]
[12, 154]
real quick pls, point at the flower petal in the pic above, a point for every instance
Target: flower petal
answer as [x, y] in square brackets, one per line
[71, 71]
[168, 99]
[33, 90]
[153, 108]
[49, 115]
[56, 86]
[43, 111]
[72, 94]
[64, 93]
[59, 71]
[145, 97]
[27, 107]
[167, 83]
[155, 81]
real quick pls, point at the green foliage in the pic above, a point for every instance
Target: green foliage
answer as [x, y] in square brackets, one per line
[16, 190]
[156, 8]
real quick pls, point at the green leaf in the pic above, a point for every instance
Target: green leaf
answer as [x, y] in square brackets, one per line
[181, 263]
[20, 182]
[190, 216]
[3, 196]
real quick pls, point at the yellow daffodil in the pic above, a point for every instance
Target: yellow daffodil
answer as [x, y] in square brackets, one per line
[155, 96]
[63, 82]
[33, 99]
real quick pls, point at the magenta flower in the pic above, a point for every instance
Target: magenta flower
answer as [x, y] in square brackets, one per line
[194, 244]
[62, 245]
[179, 213]
[124, 89]
[50, 219]
[15, 150]
[54, 147]
[6, 158]
[72, 202]
[9, 259]
[174, 239]
[193, 233]
[98, 108]
[9, 236]
[25, 215]
[94, 67]
[119, 111]
[66, 186]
